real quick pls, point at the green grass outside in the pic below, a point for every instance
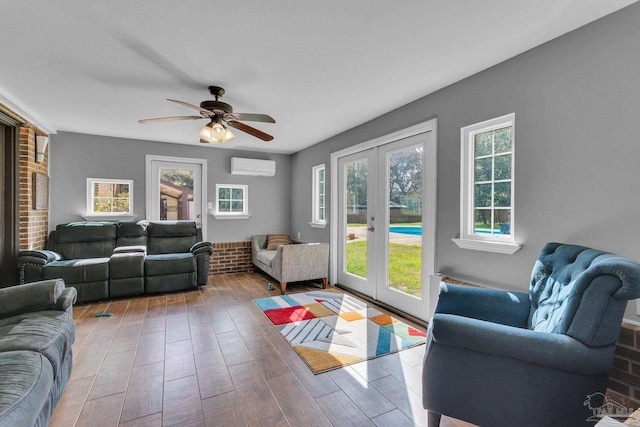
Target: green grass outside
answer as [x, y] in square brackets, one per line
[405, 265]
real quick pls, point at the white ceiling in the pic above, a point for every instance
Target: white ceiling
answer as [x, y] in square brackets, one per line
[319, 68]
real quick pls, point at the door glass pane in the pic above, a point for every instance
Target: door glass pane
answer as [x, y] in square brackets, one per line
[405, 220]
[356, 214]
[176, 194]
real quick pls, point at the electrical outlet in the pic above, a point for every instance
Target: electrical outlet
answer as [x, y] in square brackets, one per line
[298, 234]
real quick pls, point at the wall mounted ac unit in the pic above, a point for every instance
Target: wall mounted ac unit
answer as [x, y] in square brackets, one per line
[253, 167]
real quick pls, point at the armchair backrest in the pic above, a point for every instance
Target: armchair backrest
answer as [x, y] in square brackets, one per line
[168, 237]
[83, 240]
[581, 292]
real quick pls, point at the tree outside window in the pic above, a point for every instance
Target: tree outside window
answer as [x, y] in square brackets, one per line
[109, 196]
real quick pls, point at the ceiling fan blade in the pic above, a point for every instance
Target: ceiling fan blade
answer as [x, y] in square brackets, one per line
[251, 117]
[250, 130]
[171, 119]
[195, 107]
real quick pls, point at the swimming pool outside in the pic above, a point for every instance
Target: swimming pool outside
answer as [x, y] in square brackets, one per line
[405, 229]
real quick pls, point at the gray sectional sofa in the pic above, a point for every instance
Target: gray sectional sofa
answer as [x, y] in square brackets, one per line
[104, 260]
[36, 334]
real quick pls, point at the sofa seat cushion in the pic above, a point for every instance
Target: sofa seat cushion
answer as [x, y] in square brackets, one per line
[166, 264]
[48, 332]
[25, 385]
[78, 270]
[266, 257]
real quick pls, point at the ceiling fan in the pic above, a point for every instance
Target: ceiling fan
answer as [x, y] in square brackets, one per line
[218, 113]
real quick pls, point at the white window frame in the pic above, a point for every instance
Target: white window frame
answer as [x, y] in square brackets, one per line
[245, 202]
[469, 238]
[92, 215]
[316, 221]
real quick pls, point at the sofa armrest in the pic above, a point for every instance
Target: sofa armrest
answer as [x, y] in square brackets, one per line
[39, 257]
[302, 261]
[202, 247]
[68, 297]
[555, 351]
[256, 246]
[36, 296]
[507, 308]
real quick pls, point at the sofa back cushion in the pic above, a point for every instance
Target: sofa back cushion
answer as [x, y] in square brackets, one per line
[168, 237]
[84, 240]
[132, 234]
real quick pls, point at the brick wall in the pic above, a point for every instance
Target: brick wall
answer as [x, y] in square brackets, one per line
[624, 376]
[33, 224]
[230, 257]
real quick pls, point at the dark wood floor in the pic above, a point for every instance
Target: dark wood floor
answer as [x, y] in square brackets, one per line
[210, 357]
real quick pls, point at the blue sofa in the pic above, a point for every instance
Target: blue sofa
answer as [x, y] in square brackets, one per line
[516, 359]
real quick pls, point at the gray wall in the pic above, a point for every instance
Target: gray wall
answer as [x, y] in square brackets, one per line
[76, 157]
[577, 104]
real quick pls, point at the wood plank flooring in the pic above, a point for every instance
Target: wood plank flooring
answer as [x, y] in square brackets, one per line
[209, 357]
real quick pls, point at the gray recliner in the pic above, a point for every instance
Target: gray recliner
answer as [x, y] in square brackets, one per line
[176, 257]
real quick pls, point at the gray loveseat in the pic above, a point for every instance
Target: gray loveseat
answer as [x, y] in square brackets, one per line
[292, 262]
[116, 259]
[36, 334]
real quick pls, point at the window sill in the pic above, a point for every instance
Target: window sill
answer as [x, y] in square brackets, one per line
[483, 245]
[98, 217]
[227, 216]
[318, 224]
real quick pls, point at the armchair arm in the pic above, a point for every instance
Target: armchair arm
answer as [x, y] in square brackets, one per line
[39, 257]
[302, 261]
[507, 308]
[202, 247]
[36, 296]
[551, 350]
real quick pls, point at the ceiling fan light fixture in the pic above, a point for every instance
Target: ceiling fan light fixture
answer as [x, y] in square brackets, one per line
[215, 133]
[228, 136]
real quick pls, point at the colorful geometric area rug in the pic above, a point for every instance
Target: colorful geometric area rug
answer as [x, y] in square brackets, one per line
[330, 329]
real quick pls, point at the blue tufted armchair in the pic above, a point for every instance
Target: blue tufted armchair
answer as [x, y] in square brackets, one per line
[497, 358]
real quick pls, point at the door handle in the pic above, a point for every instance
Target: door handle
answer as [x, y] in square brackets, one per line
[370, 229]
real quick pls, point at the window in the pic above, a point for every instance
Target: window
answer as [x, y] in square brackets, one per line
[319, 219]
[487, 220]
[232, 201]
[109, 197]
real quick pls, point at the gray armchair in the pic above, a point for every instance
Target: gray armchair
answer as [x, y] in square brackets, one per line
[508, 358]
[291, 263]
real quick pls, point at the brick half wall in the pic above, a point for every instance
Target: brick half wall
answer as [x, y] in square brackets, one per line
[624, 376]
[230, 257]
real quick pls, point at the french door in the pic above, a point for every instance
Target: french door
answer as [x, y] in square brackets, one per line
[386, 221]
[176, 190]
